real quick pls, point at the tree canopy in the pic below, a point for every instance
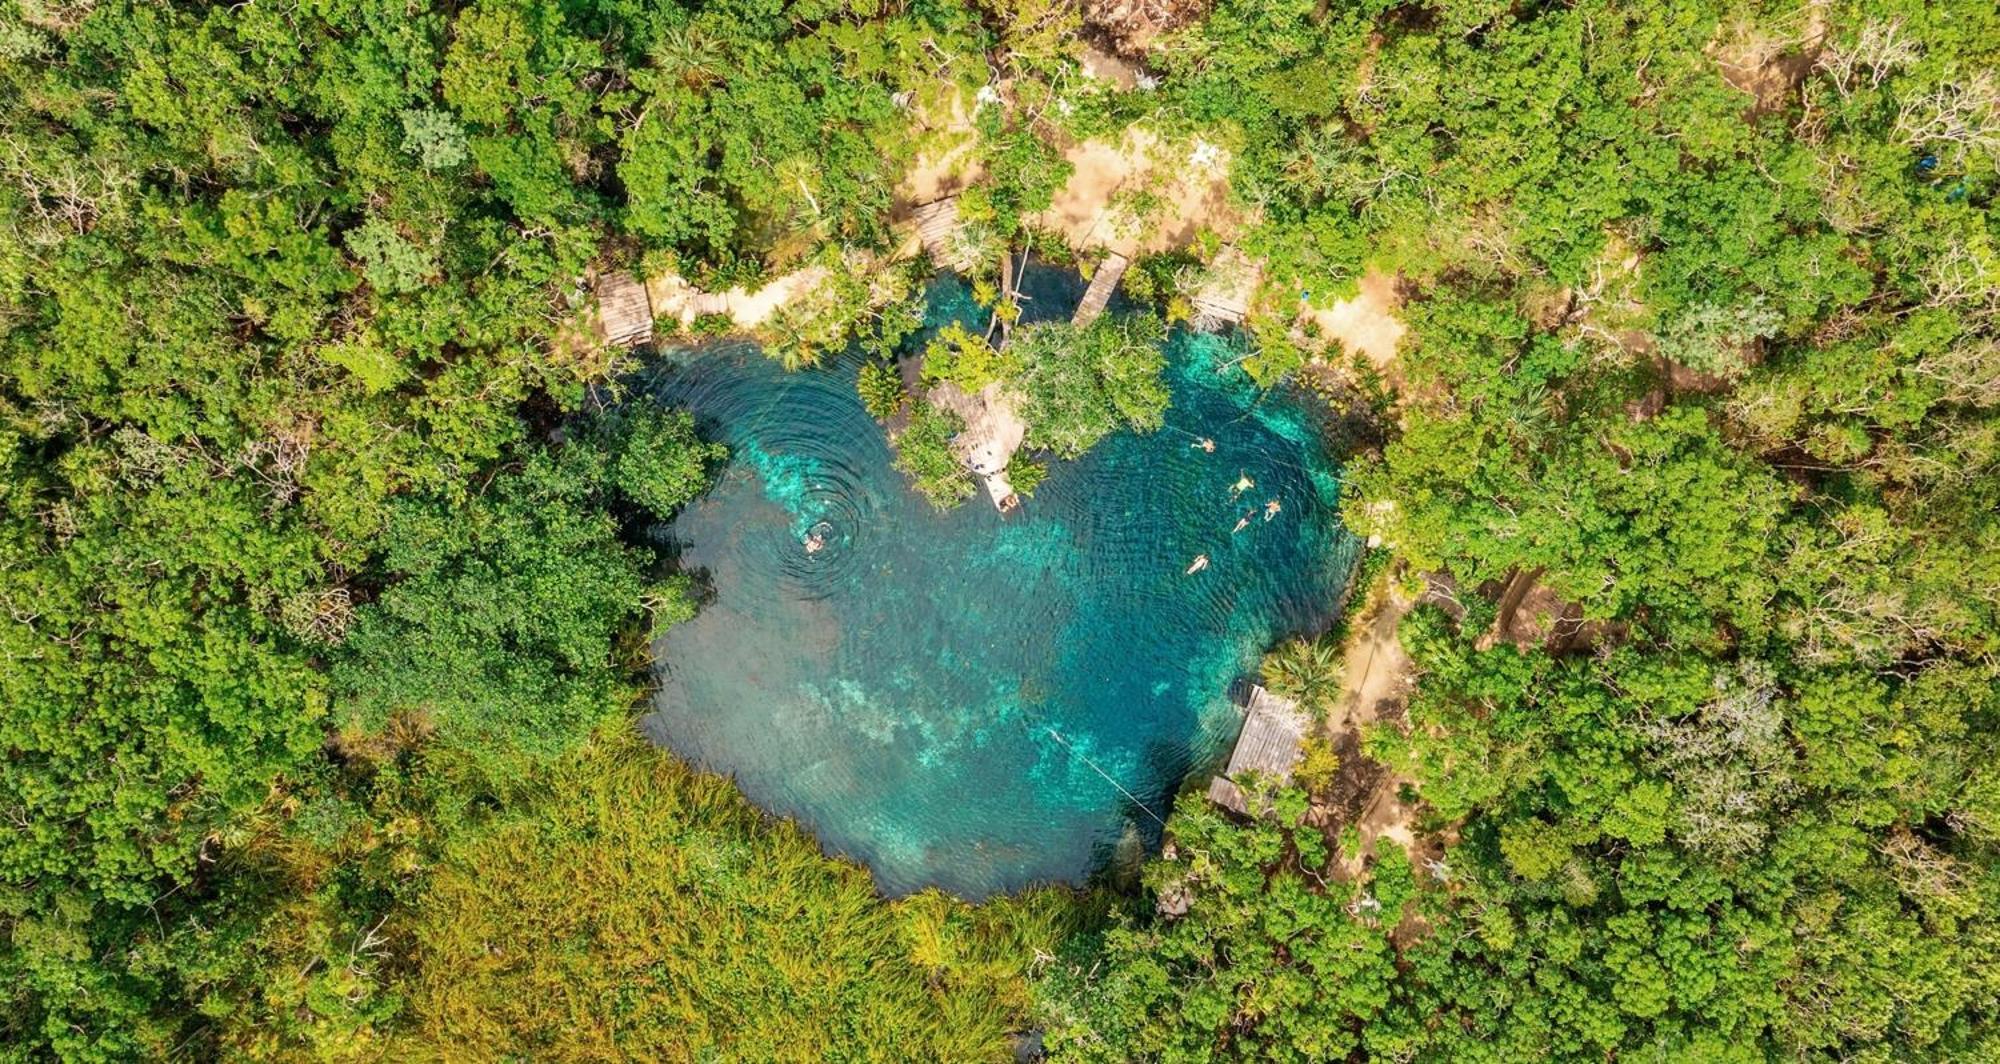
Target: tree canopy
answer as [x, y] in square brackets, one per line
[328, 581]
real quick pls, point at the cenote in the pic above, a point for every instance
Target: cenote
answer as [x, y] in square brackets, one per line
[970, 701]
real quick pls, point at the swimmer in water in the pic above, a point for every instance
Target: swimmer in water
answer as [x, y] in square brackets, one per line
[1271, 509]
[814, 543]
[1243, 484]
[1206, 445]
[1200, 563]
[1241, 524]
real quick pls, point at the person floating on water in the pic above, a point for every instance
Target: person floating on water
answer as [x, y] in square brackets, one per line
[1271, 509]
[1241, 524]
[1200, 563]
[1243, 484]
[816, 539]
[1206, 445]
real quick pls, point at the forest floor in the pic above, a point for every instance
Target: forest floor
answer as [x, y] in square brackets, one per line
[948, 163]
[1139, 195]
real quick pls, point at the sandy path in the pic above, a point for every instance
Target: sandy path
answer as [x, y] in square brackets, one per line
[1375, 668]
[673, 297]
[1376, 680]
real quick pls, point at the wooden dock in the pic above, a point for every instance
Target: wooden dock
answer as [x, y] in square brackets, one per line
[1224, 299]
[937, 229]
[625, 311]
[1273, 730]
[1101, 285]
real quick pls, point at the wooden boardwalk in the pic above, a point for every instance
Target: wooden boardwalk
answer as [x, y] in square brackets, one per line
[1101, 285]
[1273, 730]
[625, 312]
[937, 229]
[1225, 298]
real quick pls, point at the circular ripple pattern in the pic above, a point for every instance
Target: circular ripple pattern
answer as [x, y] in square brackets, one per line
[966, 701]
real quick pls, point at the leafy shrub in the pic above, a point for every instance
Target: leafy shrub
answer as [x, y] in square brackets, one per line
[390, 262]
[1083, 384]
[1026, 474]
[923, 452]
[881, 389]
[965, 359]
[434, 137]
[657, 459]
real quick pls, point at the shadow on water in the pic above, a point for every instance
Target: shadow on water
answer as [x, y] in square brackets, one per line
[961, 700]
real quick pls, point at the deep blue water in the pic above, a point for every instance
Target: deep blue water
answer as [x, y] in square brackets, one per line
[969, 701]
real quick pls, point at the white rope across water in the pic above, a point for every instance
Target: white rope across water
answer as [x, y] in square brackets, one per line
[1085, 758]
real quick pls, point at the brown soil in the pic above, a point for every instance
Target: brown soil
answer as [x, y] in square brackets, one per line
[1375, 667]
[675, 299]
[1131, 26]
[1093, 208]
[1377, 681]
[949, 160]
[1527, 612]
[1103, 66]
[1767, 65]
[1366, 324]
[1685, 380]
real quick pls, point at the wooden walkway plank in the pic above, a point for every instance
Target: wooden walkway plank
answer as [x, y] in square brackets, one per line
[625, 312]
[1225, 298]
[937, 227]
[1102, 283]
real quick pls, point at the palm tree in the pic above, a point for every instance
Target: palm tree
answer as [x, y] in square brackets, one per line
[1307, 671]
[690, 55]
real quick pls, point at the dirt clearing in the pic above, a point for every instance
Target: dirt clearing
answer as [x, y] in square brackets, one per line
[1366, 324]
[1141, 194]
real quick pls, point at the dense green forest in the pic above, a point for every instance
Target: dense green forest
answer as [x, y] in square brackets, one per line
[326, 598]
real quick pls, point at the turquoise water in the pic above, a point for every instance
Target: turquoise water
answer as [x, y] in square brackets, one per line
[962, 700]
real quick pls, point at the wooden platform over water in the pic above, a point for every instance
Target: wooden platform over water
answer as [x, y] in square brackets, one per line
[1273, 730]
[1102, 283]
[1224, 298]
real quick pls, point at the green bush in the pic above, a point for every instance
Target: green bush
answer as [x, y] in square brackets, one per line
[1081, 385]
[923, 453]
[881, 389]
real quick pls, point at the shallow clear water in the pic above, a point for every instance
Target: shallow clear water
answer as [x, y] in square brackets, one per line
[964, 700]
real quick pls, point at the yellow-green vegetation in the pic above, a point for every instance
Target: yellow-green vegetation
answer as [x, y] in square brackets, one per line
[1074, 386]
[968, 360]
[848, 297]
[626, 907]
[881, 389]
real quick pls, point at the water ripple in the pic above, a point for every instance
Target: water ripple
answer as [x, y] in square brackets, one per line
[963, 700]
